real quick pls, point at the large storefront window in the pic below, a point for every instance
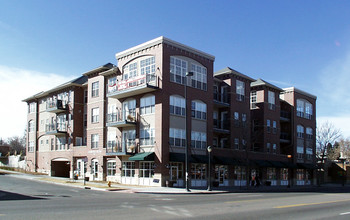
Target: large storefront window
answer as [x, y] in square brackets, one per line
[240, 173]
[198, 171]
[284, 174]
[146, 169]
[300, 174]
[271, 173]
[128, 169]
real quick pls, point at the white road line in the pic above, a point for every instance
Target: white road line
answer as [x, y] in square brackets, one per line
[345, 213]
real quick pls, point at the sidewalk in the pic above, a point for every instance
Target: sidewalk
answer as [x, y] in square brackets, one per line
[102, 186]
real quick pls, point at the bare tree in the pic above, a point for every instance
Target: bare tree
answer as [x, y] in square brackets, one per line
[326, 136]
[17, 145]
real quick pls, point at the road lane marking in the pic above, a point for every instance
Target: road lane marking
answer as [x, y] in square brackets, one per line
[250, 200]
[345, 213]
[307, 204]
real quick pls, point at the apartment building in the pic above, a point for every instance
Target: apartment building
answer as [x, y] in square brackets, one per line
[132, 123]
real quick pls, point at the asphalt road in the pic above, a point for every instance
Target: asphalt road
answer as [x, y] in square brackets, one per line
[31, 199]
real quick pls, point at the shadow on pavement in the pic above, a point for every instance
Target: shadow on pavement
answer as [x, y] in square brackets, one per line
[4, 196]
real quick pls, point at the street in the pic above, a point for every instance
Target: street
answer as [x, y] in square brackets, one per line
[31, 199]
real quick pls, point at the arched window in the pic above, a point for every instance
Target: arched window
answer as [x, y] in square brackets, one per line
[147, 104]
[31, 126]
[304, 109]
[199, 110]
[177, 105]
[309, 133]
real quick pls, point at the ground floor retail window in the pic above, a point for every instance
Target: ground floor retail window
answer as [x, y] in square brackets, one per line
[176, 171]
[221, 173]
[128, 169]
[240, 173]
[271, 173]
[146, 169]
[300, 174]
[284, 174]
[111, 168]
[198, 171]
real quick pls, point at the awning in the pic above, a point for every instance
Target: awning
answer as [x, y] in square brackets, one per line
[306, 166]
[200, 158]
[226, 161]
[277, 164]
[148, 156]
[262, 163]
[179, 157]
[290, 165]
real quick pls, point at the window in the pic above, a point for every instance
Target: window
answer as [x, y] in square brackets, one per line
[199, 110]
[244, 120]
[178, 70]
[198, 140]
[309, 134]
[31, 107]
[199, 78]
[271, 100]
[304, 109]
[300, 148]
[300, 174]
[85, 96]
[244, 143]
[60, 143]
[284, 174]
[177, 105]
[239, 173]
[146, 136]
[31, 146]
[112, 85]
[78, 141]
[224, 143]
[52, 144]
[236, 144]
[130, 71]
[236, 119]
[129, 108]
[274, 127]
[198, 171]
[300, 131]
[148, 66]
[95, 112]
[147, 105]
[253, 99]
[240, 91]
[268, 125]
[31, 126]
[271, 173]
[146, 169]
[177, 137]
[274, 148]
[128, 169]
[94, 141]
[95, 89]
[111, 168]
[94, 168]
[268, 147]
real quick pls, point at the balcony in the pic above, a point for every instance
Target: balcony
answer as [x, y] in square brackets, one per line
[133, 86]
[56, 129]
[55, 106]
[120, 148]
[221, 99]
[285, 116]
[221, 126]
[284, 137]
[121, 119]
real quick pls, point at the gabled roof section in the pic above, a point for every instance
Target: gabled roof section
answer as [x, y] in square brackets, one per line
[260, 82]
[80, 81]
[102, 68]
[293, 89]
[161, 40]
[115, 70]
[229, 70]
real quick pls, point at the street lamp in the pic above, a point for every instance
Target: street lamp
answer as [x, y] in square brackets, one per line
[209, 182]
[186, 145]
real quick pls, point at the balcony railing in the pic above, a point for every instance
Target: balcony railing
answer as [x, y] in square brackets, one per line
[284, 137]
[221, 98]
[285, 115]
[221, 124]
[121, 119]
[133, 86]
[55, 106]
[56, 128]
[121, 148]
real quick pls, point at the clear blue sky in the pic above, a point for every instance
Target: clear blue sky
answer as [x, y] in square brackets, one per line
[305, 44]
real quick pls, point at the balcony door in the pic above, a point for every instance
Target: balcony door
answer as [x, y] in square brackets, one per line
[129, 109]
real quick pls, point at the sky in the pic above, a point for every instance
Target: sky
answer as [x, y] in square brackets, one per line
[305, 44]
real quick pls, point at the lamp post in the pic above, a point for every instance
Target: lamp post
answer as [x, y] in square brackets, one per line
[209, 173]
[186, 145]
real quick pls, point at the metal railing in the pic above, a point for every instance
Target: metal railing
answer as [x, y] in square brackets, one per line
[54, 104]
[121, 116]
[121, 146]
[221, 97]
[222, 124]
[56, 127]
